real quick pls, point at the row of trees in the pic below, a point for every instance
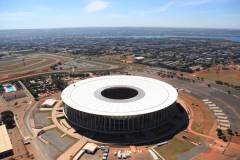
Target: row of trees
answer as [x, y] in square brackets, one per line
[7, 118]
[223, 136]
[59, 83]
[227, 84]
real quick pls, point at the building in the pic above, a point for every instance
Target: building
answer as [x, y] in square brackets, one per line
[90, 148]
[139, 59]
[49, 103]
[12, 92]
[9, 88]
[196, 68]
[119, 104]
[6, 148]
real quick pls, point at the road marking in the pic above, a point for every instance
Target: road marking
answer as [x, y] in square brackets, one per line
[225, 124]
[223, 121]
[212, 105]
[222, 117]
[218, 111]
[209, 102]
[219, 114]
[223, 128]
[212, 108]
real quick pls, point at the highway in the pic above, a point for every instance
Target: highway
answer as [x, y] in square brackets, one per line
[218, 94]
[227, 102]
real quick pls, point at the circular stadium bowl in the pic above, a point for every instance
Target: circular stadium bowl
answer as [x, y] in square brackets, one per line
[119, 104]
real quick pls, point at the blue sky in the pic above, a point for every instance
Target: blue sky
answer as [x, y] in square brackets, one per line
[149, 13]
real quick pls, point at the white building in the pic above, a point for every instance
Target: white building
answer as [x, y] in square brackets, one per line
[119, 104]
[48, 103]
[90, 148]
[6, 148]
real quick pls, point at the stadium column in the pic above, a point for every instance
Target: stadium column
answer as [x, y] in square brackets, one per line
[128, 123]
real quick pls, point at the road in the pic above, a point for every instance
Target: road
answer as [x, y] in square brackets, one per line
[218, 94]
[27, 116]
[228, 103]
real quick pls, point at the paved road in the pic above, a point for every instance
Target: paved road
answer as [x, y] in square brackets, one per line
[27, 118]
[227, 102]
[34, 141]
[218, 94]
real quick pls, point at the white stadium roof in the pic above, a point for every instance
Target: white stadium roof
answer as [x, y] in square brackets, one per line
[153, 95]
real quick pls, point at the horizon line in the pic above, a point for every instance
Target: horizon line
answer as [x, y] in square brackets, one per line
[46, 28]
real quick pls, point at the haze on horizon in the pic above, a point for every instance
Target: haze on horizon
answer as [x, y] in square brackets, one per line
[30, 14]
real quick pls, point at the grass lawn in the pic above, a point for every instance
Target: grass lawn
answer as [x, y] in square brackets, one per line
[173, 148]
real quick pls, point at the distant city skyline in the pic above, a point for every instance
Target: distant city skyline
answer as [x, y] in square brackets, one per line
[31, 14]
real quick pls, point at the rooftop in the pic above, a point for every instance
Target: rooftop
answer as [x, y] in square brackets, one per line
[49, 102]
[119, 95]
[90, 147]
[5, 143]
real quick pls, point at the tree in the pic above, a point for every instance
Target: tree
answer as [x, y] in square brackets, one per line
[219, 82]
[8, 119]
[224, 139]
[230, 132]
[59, 83]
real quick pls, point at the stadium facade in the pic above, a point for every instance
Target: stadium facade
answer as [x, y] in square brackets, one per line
[119, 104]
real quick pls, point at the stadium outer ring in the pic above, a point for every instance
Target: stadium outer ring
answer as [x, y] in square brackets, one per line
[130, 104]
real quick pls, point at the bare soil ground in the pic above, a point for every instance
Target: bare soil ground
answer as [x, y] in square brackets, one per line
[204, 120]
[236, 139]
[20, 151]
[231, 75]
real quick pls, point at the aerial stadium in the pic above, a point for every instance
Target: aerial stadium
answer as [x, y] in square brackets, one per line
[119, 105]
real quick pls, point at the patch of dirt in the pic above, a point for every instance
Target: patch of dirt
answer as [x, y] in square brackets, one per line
[229, 74]
[204, 121]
